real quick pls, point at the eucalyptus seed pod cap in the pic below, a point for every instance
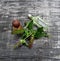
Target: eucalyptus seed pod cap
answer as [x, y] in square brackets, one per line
[16, 23]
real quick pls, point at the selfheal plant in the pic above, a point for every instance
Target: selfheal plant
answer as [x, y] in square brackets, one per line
[28, 33]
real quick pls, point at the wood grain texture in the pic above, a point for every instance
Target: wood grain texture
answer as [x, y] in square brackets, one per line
[43, 49]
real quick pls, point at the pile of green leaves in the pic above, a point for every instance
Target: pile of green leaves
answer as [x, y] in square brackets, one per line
[36, 33]
[29, 31]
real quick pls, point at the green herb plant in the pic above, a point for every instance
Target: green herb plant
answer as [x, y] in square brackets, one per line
[29, 33]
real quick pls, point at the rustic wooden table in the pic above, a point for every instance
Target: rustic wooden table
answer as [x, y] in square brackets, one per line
[43, 49]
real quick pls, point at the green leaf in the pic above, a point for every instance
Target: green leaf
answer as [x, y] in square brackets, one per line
[23, 41]
[29, 25]
[17, 31]
[26, 34]
[20, 42]
[40, 33]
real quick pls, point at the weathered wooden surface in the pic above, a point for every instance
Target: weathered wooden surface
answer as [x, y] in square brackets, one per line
[43, 49]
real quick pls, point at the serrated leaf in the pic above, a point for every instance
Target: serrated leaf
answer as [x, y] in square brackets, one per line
[40, 33]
